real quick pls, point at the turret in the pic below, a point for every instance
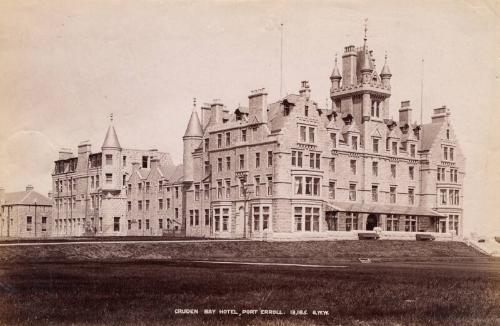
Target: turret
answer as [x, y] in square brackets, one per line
[111, 160]
[385, 74]
[366, 68]
[335, 77]
[191, 140]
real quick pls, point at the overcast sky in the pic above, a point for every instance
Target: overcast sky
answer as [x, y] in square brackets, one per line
[65, 65]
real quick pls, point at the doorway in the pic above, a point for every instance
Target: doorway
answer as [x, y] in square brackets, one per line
[371, 222]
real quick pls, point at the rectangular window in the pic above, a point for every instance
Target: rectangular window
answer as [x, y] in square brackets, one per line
[394, 148]
[445, 153]
[318, 161]
[411, 196]
[207, 167]
[353, 166]
[228, 163]
[160, 223]
[411, 172]
[228, 188]
[219, 140]
[124, 180]
[168, 203]
[294, 158]
[299, 159]
[191, 217]
[197, 192]
[109, 178]
[160, 204]
[256, 218]
[228, 139]
[307, 218]
[306, 110]
[29, 223]
[206, 142]
[129, 224]
[219, 189]
[139, 187]
[124, 162]
[242, 161]
[298, 185]
[139, 224]
[303, 135]
[393, 170]
[147, 204]
[354, 143]
[265, 217]
[351, 222]
[331, 190]
[316, 186]
[129, 206]
[411, 224]
[148, 187]
[116, 224]
[375, 169]
[374, 193]
[207, 217]
[44, 223]
[139, 205]
[311, 134]
[452, 154]
[147, 224]
[333, 138]
[443, 196]
[219, 164]
[332, 164]
[269, 158]
[392, 223]
[225, 219]
[269, 185]
[243, 135]
[308, 190]
[109, 159]
[392, 194]
[206, 191]
[352, 191]
[298, 218]
[144, 162]
[176, 192]
[196, 217]
[375, 142]
[257, 160]
[176, 213]
[412, 150]
[257, 186]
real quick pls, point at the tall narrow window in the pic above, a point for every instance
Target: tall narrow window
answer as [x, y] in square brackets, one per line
[374, 193]
[331, 190]
[375, 142]
[393, 170]
[269, 158]
[353, 166]
[411, 196]
[257, 185]
[411, 172]
[311, 134]
[219, 140]
[392, 194]
[219, 164]
[228, 163]
[333, 138]
[109, 159]
[269, 185]
[375, 169]
[352, 191]
[228, 138]
[116, 224]
[242, 161]
[303, 131]
[243, 135]
[354, 142]
[257, 160]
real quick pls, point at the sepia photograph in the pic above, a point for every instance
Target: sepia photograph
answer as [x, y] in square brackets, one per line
[222, 162]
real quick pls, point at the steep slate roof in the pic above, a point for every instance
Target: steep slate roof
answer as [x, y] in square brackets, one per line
[429, 132]
[26, 198]
[111, 140]
[173, 173]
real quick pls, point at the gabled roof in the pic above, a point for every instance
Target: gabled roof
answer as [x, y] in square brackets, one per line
[428, 134]
[111, 140]
[26, 198]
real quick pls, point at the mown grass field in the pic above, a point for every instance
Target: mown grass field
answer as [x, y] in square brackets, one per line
[60, 288]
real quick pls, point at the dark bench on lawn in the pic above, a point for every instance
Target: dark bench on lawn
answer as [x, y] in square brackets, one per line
[424, 237]
[368, 236]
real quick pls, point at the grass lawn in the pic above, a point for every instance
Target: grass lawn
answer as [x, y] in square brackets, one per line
[65, 285]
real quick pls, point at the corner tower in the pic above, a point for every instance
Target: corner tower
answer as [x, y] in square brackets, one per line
[191, 140]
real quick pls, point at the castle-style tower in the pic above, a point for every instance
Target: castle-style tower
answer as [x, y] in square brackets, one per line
[363, 96]
[113, 210]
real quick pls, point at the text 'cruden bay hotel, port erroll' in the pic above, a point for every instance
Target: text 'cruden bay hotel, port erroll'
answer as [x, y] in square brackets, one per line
[285, 170]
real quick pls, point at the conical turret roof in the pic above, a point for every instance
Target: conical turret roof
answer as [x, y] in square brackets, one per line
[366, 66]
[194, 126]
[111, 140]
[385, 69]
[336, 72]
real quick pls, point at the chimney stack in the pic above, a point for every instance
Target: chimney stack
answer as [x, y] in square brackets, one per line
[257, 104]
[155, 162]
[216, 112]
[440, 114]
[65, 153]
[305, 90]
[405, 113]
[29, 188]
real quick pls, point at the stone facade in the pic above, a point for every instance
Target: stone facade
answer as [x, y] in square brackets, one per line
[25, 214]
[292, 169]
[99, 193]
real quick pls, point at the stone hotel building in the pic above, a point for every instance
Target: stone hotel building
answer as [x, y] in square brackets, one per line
[294, 170]
[290, 169]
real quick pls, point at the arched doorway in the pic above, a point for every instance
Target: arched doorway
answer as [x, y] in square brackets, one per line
[371, 222]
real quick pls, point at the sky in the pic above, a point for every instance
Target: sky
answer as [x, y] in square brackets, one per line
[66, 65]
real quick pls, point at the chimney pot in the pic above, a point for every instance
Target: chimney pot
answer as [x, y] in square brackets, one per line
[29, 188]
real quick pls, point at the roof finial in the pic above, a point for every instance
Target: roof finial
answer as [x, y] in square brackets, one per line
[366, 30]
[386, 56]
[335, 58]
[111, 117]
